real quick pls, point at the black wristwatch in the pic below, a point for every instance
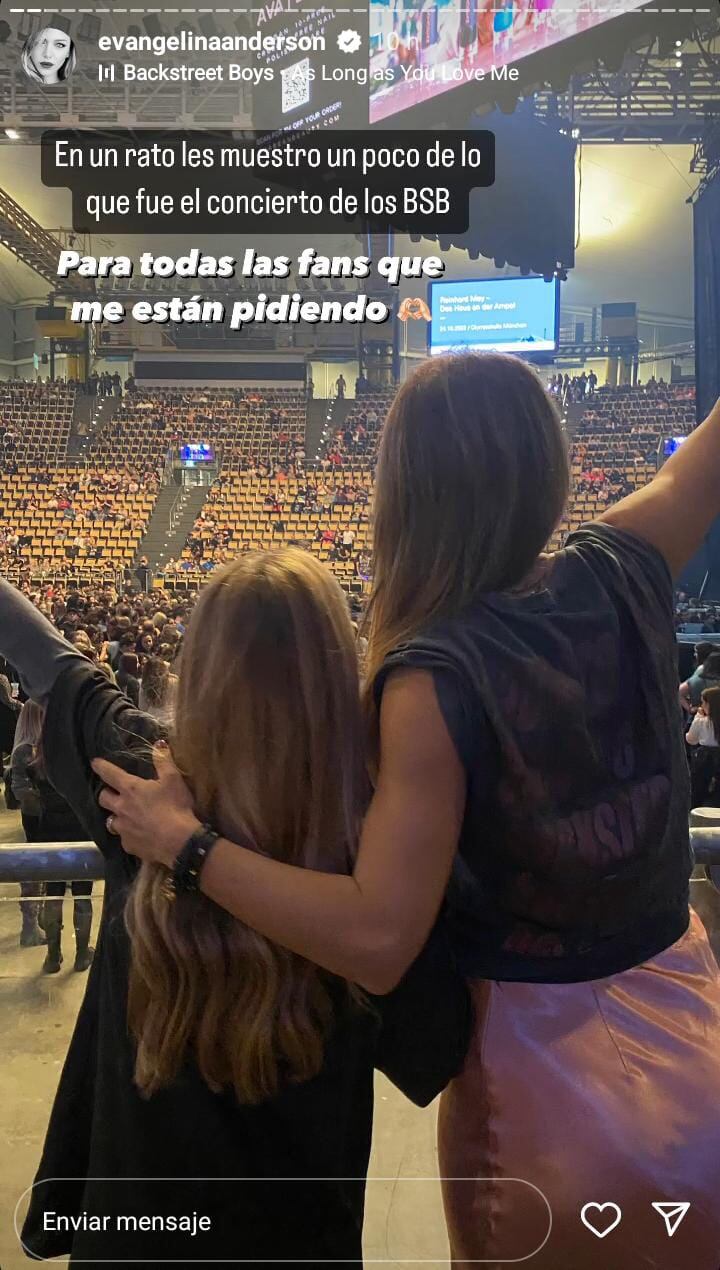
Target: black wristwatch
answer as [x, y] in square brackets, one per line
[185, 876]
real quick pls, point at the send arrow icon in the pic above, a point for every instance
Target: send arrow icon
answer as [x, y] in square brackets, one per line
[672, 1214]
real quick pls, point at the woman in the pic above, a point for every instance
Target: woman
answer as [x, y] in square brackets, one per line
[48, 57]
[704, 735]
[524, 711]
[204, 1052]
[158, 691]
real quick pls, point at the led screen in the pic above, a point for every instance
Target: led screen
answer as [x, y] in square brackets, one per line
[501, 315]
[192, 454]
[419, 48]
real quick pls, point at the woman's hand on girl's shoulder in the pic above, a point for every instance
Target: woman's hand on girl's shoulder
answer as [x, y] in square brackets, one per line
[152, 818]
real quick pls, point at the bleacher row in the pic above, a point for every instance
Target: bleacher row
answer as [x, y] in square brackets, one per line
[261, 513]
[60, 522]
[242, 423]
[267, 494]
[615, 447]
[35, 422]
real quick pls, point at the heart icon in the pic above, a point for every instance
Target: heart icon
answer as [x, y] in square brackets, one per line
[601, 1218]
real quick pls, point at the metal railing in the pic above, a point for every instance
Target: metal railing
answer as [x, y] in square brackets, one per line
[76, 861]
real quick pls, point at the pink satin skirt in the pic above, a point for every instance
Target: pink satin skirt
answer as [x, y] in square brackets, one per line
[602, 1094]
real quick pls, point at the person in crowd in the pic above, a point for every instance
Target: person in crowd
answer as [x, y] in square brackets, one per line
[128, 677]
[145, 645]
[706, 674]
[9, 711]
[704, 735]
[142, 574]
[158, 690]
[203, 1050]
[530, 774]
[27, 735]
[54, 821]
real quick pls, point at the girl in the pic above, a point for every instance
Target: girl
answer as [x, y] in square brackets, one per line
[704, 735]
[203, 1050]
[529, 754]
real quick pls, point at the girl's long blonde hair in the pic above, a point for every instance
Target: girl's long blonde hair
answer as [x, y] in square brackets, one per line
[472, 479]
[269, 736]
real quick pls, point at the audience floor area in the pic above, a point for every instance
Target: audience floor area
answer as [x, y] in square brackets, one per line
[404, 1210]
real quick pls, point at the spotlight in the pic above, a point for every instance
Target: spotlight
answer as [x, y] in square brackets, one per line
[12, 134]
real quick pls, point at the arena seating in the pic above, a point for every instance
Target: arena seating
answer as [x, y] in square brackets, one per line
[358, 438]
[261, 512]
[615, 447]
[241, 423]
[267, 494]
[35, 420]
[322, 508]
[64, 519]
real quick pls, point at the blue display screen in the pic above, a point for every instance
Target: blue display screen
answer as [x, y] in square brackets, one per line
[503, 315]
[197, 454]
[671, 444]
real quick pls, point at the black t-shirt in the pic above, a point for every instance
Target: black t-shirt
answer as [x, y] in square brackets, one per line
[102, 1130]
[574, 858]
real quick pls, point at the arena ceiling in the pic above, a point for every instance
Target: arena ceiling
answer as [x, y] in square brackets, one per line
[634, 227]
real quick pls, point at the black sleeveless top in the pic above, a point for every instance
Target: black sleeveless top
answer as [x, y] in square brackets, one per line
[574, 857]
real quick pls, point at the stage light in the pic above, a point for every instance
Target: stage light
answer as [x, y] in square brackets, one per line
[12, 134]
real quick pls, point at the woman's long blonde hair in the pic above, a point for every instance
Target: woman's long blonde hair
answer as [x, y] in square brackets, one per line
[472, 479]
[269, 736]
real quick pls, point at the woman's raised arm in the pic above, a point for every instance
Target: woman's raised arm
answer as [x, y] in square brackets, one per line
[674, 512]
[369, 927]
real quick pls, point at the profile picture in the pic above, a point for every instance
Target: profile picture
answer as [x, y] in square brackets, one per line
[48, 56]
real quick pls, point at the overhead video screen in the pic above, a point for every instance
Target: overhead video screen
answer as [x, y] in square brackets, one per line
[501, 315]
[420, 48]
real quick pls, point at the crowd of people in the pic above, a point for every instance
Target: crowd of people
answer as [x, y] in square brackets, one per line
[695, 616]
[572, 389]
[700, 702]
